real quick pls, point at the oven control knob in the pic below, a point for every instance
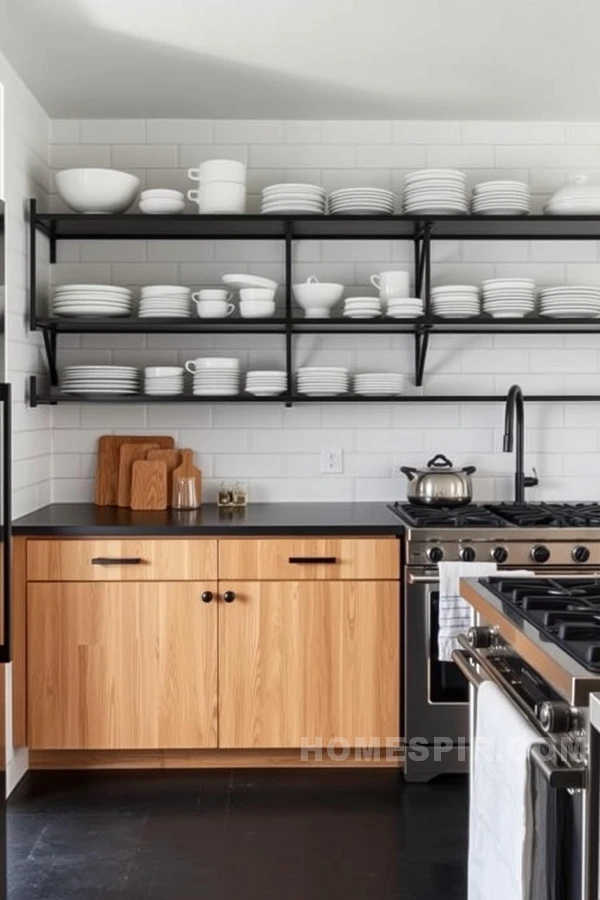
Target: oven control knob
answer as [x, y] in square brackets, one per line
[499, 554]
[580, 554]
[435, 554]
[540, 554]
[467, 554]
[480, 637]
[556, 717]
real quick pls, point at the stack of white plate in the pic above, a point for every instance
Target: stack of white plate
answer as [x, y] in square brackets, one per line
[362, 307]
[162, 202]
[293, 198]
[165, 301]
[379, 384]
[405, 308]
[91, 300]
[435, 192]
[575, 301]
[322, 381]
[164, 380]
[455, 301]
[266, 383]
[217, 377]
[100, 380]
[362, 202]
[508, 298]
[501, 198]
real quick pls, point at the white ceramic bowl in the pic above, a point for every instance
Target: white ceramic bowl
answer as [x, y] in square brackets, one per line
[213, 362]
[97, 190]
[261, 294]
[163, 371]
[162, 207]
[220, 197]
[257, 309]
[219, 170]
[313, 295]
[162, 193]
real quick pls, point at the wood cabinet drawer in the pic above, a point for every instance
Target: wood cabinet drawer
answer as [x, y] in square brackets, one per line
[310, 559]
[128, 560]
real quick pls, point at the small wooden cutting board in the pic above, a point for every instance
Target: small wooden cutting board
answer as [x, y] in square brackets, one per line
[128, 454]
[172, 459]
[107, 467]
[187, 469]
[149, 484]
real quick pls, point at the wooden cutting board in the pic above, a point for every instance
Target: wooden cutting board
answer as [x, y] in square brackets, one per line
[107, 468]
[187, 469]
[172, 459]
[128, 454]
[149, 484]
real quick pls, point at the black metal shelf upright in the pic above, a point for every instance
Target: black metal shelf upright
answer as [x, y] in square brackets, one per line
[421, 230]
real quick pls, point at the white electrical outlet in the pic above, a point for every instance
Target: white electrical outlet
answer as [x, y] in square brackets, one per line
[332, 461]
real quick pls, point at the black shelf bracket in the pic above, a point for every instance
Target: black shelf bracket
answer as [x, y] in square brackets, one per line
[423, 290]
[50, 340]
[33, 228]
[289, 349]
[421, 347]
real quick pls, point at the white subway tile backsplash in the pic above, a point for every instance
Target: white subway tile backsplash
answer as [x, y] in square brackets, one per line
[469, 156]
[424, 132]
[355, 132]
[113, 131]
[251, 131]
[296, 131]
[190, 156]
[179, 131]
[309, 156]
[65, 131]
[540, 157]
[142, 156]
[68, 156]
[390, 156]
[514, 133]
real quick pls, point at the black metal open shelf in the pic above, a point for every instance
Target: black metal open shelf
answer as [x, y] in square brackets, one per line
[420, 230]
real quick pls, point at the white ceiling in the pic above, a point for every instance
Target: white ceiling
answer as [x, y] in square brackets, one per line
[508, 59]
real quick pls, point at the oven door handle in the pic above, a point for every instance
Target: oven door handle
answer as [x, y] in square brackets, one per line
[422, 579]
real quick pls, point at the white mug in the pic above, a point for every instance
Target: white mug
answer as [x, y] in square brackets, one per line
[219, 170]
[219, 197]
[392, 284]
[212, 294]
[214, 309]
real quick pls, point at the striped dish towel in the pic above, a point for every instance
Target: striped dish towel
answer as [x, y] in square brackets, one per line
[455, 614]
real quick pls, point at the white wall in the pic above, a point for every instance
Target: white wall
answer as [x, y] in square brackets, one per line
[276, 451]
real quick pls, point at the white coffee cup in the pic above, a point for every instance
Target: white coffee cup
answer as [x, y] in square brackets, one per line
[219, 170]
[214, 309]
[219, 197]
[257, 294]
[201, 363]
[212, 294]
[257, 309]
[392, 284]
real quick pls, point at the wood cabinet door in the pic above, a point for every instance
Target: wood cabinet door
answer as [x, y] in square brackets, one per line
[121, 666]
[305, 661]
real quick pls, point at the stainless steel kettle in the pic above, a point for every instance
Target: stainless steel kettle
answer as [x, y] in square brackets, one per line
[440, 484]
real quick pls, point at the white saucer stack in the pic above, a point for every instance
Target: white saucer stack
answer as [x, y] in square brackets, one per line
[293, 198]
[266, 383]
[167, 381]
[322, 381]
[379, 384]
[573, 301]
[165, 301]
[435, 192]
[455, 301]
[362, 202]
[104, 300]
[508, 298]
[362, 307]
[405, 308]
[100, 380]
[501, 198]
[217, 377]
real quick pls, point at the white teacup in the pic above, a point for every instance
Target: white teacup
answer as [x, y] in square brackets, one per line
[392, 284]
[219, 197]
[257, 309]
[262, 294]
[202, 363]
[212, 294]
[214, 309]
[219, 170]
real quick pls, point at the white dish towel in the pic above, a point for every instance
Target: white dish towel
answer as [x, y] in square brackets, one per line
[455, 614]
[501, 827]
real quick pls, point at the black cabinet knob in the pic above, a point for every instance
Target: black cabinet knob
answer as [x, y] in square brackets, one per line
[435, 554]
[229, 596]
[207, 597]
[499, 554]
[580, 554]
[467, 554]
[540, 554]
[556, 717]
[480, 637]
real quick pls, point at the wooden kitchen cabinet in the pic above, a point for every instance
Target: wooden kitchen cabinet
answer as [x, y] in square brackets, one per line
[121, 666]
[308, 660]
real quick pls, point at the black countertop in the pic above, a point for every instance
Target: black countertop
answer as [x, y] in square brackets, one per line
[274, 519]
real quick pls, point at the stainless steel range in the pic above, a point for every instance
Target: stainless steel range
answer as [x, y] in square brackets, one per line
[561, 539]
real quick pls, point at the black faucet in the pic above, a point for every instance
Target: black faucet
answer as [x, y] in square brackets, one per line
[515, 404]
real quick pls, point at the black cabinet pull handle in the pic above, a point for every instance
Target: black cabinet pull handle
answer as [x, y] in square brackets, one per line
[207, 597]
[116, 561]
[311, 560]
[229, 596]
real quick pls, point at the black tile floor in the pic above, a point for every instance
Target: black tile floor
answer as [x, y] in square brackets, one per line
[257, 835]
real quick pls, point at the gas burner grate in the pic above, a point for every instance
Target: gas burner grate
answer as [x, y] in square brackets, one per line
[549, 515]
[471, 516]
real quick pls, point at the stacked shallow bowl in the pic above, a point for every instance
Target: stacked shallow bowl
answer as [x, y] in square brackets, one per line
[266, 383]
[455, 301]
[501, 198]
[162, 202]
[165, 301]
[322, 381]
[573, 301]
[362, 202]
[508, 298]
[435, 192]
[293, 198]
[100, 380]
[167, 381]
[91, 300]
[216, 377]
[405, 308]
[362, 307]
[379, 384]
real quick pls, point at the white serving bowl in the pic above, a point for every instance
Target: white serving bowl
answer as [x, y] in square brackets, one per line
[97, 190]
[257, 309]
[162, 207]
[219, 170]
[313, 295]
[257, 294]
